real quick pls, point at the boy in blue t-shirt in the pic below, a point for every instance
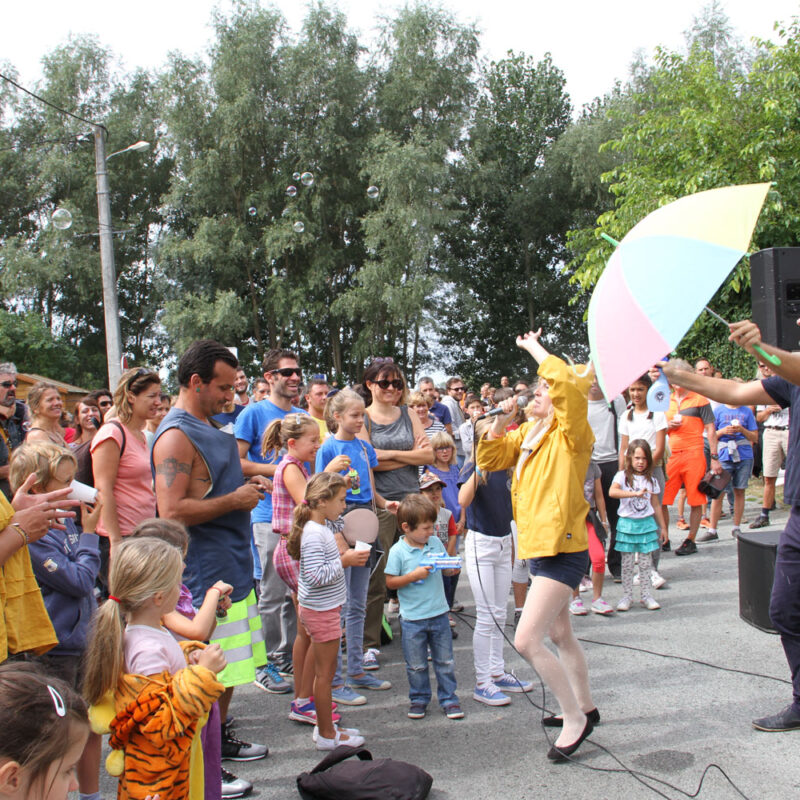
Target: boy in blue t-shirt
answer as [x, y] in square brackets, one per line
[424, 620]
[737, 432]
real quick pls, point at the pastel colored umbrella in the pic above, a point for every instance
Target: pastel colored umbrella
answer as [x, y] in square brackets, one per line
[662, 275]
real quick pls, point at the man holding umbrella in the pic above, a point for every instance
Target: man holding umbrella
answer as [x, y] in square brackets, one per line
[781, 389]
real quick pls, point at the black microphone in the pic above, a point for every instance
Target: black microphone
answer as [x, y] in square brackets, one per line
[522, 401]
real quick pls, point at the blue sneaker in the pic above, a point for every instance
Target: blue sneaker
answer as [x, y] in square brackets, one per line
[490, 695]
[367, 681]
[345, 696]
[269, 679]
[509, 682]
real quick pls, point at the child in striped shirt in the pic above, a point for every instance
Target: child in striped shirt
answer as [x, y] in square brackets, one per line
[322, 592]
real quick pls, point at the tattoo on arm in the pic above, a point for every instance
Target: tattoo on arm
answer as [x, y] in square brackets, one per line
[170, 467]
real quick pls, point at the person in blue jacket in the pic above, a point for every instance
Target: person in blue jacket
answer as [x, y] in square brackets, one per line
[65, 563]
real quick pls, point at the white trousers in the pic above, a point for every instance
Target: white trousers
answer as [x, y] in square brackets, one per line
[488, 562]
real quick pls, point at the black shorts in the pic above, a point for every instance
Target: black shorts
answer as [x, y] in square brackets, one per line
[567, 568]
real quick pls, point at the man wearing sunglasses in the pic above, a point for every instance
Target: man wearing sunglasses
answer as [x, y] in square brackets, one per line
[453, 399]
[282, 373]
[13, 414]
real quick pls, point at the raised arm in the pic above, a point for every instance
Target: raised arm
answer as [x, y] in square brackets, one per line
[747, 335]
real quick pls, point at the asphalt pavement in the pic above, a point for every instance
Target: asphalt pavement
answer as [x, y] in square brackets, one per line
[667, 714]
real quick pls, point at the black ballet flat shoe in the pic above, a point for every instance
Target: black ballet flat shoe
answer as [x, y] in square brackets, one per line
[557, 754]
[557, 722]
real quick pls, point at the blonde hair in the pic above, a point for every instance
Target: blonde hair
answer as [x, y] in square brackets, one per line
[444, 439]
[133, 381]
[168, 530]
[279, 431]
[419, 399]
[322, 487]
[37, 392]
[141, 568]
[337, 403]
[41, 458]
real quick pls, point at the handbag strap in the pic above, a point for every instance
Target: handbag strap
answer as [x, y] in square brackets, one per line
[371, 476]
[341, 753]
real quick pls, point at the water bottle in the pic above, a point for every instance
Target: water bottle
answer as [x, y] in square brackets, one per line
[658, 394]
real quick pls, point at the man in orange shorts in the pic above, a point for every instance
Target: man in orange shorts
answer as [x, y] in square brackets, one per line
[688, 416]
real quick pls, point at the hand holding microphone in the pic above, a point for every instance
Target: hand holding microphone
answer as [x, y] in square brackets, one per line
[508, 407]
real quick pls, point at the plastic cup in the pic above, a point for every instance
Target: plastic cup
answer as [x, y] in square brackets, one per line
[362, 546]
[80, 491]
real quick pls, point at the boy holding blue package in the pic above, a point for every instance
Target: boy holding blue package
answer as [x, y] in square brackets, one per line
[424, 611]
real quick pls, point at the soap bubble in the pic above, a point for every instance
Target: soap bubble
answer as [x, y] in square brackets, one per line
[373, 192]
[299, 226]
[61, 219]
[307, 179]
[291, 191]
[252, 211]
[296, 176]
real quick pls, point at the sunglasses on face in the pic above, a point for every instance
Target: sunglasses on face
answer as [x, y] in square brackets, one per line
[8, 384]
[287, 372]
[395, 384]
[456, 388]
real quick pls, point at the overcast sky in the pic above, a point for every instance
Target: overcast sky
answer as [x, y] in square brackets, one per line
[592, 42]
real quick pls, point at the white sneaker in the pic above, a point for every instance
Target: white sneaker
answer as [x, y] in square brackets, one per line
[600, 606]
[657, 581]
[586, 584]
[577, 608]
[348, 736]
[650, 604]
[624, 604]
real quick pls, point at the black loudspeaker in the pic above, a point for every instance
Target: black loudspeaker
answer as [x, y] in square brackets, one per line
[775, 293]
[757, 552]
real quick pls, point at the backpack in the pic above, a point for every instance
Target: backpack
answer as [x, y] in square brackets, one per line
[83, 456]
[337, 778]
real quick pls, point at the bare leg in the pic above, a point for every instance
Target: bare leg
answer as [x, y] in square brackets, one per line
[694, 521]
[665, 512]
[520, 593]
[738, 506]
[546, 613]
[681, 503]
[716, 511]
[769, 492]
[324, 654]
[225, 703]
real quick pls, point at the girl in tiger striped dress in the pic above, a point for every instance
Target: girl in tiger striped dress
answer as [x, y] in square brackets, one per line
[160, 691]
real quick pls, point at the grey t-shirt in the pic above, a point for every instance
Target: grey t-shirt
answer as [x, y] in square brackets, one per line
[395, 484]
[604, 426]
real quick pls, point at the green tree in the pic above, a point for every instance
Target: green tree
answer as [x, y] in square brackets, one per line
[505, 257]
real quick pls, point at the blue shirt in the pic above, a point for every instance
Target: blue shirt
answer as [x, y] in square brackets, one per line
[249, 427]
[490, 512]
[786, 395]
[451, 481]
[722, 418]
[358, 451]
[418, 600]
[442, 413]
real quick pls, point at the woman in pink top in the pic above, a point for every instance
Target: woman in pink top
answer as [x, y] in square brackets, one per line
[121, 459]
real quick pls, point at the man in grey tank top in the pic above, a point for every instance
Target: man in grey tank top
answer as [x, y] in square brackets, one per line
[199, 482]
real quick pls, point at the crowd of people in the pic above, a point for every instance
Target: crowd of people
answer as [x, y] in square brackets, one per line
[267, 531]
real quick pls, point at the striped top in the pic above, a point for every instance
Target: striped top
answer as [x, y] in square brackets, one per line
[282, 502]
[321, 586]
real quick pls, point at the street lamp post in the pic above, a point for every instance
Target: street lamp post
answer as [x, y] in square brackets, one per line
[108, 269]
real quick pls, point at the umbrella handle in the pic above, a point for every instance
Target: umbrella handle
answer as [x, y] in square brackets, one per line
[772, 359]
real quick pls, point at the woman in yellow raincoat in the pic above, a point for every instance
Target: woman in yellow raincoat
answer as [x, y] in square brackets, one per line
[550, 455]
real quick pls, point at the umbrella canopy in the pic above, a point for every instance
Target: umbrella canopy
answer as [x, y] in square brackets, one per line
[662, 274]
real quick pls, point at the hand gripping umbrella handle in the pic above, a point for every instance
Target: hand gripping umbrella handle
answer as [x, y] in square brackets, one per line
[767, 356]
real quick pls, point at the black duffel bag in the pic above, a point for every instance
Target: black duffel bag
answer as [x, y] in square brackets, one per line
[340, 777]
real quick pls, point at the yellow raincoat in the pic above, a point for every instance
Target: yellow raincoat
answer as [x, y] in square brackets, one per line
[547, 485]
